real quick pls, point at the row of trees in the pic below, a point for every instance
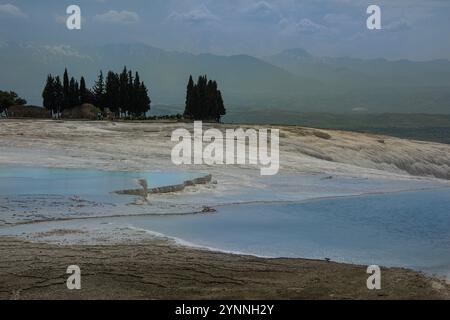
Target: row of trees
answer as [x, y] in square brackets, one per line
[8, 99]
[124, 93]
[203, 100]
[59, 96]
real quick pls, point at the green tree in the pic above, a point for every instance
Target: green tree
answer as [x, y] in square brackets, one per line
[83, 93]
[74, 93]
[72, 98]
[123, 91]
[8, 99]
[144, 100]
[211, 106]
[130, 106]
[99, 91]
[221, 107]
[48, 93]
[188, 111]
[58, 97]
[136, 97]
[203, 95]
[203, 100]
[66, 90]
[77, 94]
[112, 92]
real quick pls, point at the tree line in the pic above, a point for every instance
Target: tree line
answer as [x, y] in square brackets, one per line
[123, 94]
[203, 100]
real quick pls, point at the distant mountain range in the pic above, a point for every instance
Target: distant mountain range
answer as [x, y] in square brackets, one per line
[292, 80]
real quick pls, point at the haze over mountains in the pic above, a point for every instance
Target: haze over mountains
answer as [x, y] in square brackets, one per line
[292, 80]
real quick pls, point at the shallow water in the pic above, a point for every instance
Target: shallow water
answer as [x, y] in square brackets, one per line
[410, 229]
[407, 229]
[35, 194]
[31, 180]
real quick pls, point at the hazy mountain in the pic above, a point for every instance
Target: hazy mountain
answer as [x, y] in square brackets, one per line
[243, 79]
[374, 85]
[299, 61]
[293, 80]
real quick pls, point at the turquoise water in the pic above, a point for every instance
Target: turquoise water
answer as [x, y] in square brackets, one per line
[406, 229]
[410, 229]
[31, 180]
[30, 194]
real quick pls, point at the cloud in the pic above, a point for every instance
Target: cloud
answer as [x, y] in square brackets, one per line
[122, 17]
[65, 50]
[397, 26]
[12, 10]
[303, 26]
[340, 19]
[199, 15]
[60, 18]
[360, 109]
[261, 11]
[260, 8]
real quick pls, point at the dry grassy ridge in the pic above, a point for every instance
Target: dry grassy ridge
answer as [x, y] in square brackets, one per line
[157, 270]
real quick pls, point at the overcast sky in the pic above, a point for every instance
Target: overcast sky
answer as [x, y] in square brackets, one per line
[412, 29]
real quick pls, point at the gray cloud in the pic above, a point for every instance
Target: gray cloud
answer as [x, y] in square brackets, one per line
[397, 26]
[122, 17]
[413, 29]
[198, 15]
[12, 10]
[260, 8]
[303, 26]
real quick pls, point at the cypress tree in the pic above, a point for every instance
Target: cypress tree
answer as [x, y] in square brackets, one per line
[130, 105]
[199, 111]
[76, 95]
[58, 96]
[123, 91]
[188, 111]
[203, 100]
[66, 103]
[144, 99]
[211, 100]
[99, 92]
[83, 95]
[72, 93]
[47, 94]
[137, 96]
[221, 107]
[112, 92]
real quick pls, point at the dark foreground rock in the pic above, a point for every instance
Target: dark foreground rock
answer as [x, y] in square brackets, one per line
[157, 270]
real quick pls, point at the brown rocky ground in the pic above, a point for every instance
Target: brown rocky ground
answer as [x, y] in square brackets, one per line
[157, 270]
